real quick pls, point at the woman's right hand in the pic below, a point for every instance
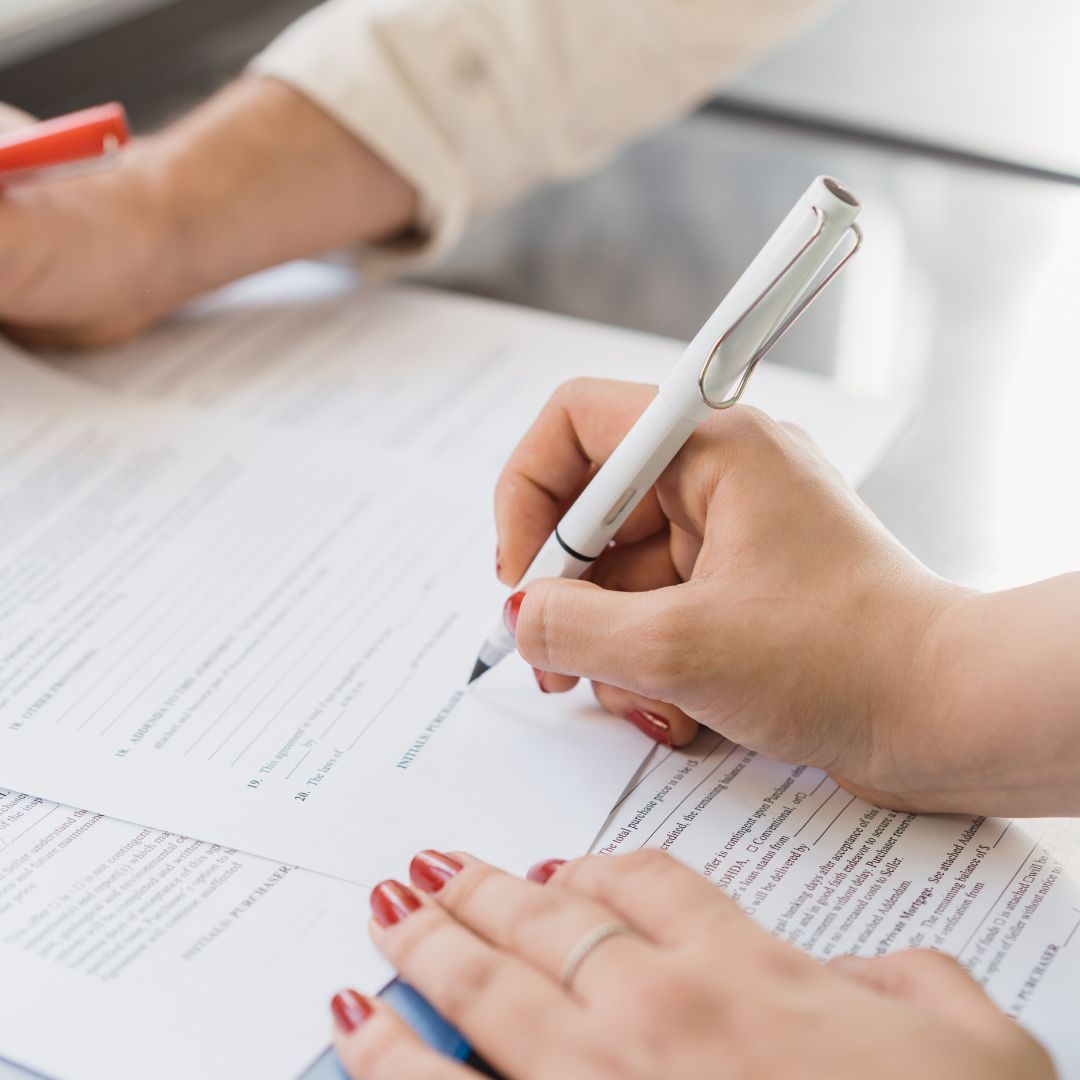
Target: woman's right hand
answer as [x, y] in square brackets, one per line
[752, 591]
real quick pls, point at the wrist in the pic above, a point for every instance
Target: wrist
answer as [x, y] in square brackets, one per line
[161, 198]
[915, 741]
[1000, 701]
[156, 252]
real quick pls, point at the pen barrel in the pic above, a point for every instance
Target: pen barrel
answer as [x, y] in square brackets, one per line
[623, 481]
[773, 286]
[772, 292]
[553, 560]
[770, 288]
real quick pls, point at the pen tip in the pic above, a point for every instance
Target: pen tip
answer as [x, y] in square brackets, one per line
[478, 670]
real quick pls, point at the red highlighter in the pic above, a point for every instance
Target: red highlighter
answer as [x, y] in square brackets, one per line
[78, 142]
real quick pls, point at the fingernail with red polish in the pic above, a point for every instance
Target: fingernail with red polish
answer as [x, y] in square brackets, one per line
[431, 870]
[349, 1010]
[656, 727]
[391, 902]
[510, 611]
[541, 871]
[540, 679]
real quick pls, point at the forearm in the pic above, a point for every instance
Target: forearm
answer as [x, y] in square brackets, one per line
[360, 123]
[255, 176]
[258, 175]
[1005, 676]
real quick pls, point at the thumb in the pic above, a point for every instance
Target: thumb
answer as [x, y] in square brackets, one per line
[624, 639]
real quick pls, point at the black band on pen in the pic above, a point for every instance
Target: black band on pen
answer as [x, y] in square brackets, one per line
[570, 551]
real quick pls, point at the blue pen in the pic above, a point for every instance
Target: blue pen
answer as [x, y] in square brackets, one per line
[423, 1019]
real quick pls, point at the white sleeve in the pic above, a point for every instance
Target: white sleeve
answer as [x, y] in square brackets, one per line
[475, 101]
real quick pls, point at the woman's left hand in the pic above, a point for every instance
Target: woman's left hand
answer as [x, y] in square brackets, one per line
[685, 987]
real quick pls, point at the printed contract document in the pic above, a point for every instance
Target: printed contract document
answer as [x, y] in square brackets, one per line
[262, 641]
[243, 582]
[834, 874]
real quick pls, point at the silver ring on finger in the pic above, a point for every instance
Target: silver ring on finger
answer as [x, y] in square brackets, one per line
[594, 938]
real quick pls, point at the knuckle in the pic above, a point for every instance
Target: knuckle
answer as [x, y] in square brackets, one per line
[606, 1062]
[590, 1052]
[548, 607]
[536, 909]
[396, 1059]
[748, 437]
[646, 861]
[504, 486]
[784, 961]
[930, 960]
[572, 390]
[904, 971]
[619, 873]
[797, 432]
[366, 1053]
[467, 987]
[463, 892]
[669, 1004]
[669, 985]
[614, 872]
[575, 871]
[533, 635]
[759, 426]
[402, 1058]
[753, 420]
[477, 900]
[406, 944]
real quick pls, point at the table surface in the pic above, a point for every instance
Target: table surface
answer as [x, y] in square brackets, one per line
[961, 302]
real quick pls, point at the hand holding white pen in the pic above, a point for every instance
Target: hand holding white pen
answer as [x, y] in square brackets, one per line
[776, 288]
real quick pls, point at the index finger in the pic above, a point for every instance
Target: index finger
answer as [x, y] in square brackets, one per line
[578, 428]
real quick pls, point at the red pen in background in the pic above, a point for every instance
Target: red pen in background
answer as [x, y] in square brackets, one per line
[88, 139]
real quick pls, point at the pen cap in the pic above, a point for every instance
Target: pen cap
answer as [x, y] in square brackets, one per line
[64, 141]
[835, 201]
[771, 288]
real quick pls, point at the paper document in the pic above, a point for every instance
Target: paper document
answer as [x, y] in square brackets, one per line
[835, 875]
[301, 347]
[120, 928]
[259, 641]
[128, 952]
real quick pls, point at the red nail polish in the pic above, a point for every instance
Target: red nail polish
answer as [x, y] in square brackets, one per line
[431, 870]
[656, 727]
[510, 611]
[540, 679]
[391, 902]
[349, 1010]
[498, 563]
[541, 871]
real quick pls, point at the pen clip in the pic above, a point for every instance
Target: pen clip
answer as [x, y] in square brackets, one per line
[785, 324]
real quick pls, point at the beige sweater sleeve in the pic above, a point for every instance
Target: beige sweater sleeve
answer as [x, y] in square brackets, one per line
[475, 101]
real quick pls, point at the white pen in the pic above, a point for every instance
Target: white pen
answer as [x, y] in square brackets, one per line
[775, 289]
